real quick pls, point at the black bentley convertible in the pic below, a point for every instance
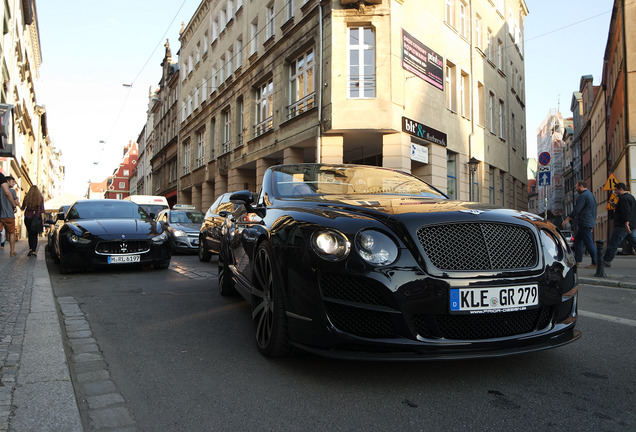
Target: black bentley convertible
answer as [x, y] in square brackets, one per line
[364, 262]
[109, 233]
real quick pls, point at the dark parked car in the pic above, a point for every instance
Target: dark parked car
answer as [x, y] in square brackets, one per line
[54, 226]
[213, 223]
[353, 261]
[104, 233]
[183, 224]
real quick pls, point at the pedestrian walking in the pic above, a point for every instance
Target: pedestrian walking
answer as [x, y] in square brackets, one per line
[624, 221]
[33, 207]
[7, 215]
[585, 214]
[5, 190]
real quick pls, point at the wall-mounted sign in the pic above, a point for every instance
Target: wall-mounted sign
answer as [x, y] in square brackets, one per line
[425, 63]
[419, 153]
[422, 131]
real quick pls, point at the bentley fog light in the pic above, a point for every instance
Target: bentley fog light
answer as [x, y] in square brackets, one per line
[376, 248]
[330, 245]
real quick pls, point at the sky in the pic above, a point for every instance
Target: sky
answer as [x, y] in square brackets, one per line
[90, 53]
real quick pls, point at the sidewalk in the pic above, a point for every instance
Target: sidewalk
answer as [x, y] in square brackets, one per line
[36, 392]
[621, 274]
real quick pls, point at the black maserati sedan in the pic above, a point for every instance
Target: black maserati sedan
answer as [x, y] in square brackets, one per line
[109, 233]
[362, 262]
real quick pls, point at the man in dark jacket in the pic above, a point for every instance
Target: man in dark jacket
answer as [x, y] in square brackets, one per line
[585, 214]
[624, 222]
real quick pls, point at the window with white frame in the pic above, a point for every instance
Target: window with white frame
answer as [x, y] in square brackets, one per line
[449, 13]
[489, 47]
[223, 19]
[190, 64]
[289, 10]
[302, 90]
[212, 138]
[264, 108]
[196, 97]
[361, 62]
[451, 86]
[186, 159]
[502, 125]
[215, 29]
[200, 161]
[228, 66]
[230, 9]
[254, 37]
[215, 78]
[491, 112]
[206, 43]
[478, 31]
[239, 122]
[479, 112]
[126, 173]
[500, 54]
[190, 103]
[226, 139]
[239, 52]
[464, 96]
[239, 4]
[463, 20]
[204, 89]
[122, 185]
[269, 29]
[222, 70]
[198, 53]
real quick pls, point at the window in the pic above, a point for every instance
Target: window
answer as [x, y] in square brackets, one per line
[451, 87]
[254, 37]
[480, 104]
[478, 31]
[206, 43]
[270, 21]
[222, 70]
[491, 112]
[215, 78]
[196, 97]
[215, 29]
[227, 134]
[200, 149]
[489, 44]
[239, 122]
[449, 12]
[361, 62]
[301, 84]
[289, 10]
[172, 171]
[122, 185]
[239, 52]
[491, 185]
[212, 138]
[464, 95]
[190, 107]
[190, 64]
[502, 195]
[126, 173]
[198, 53]
[451, 175]
[185, 168]
[264, 108]
[463, 24]
[500, 55]
[229, 70]
[204, 89]
[223, 19]
[502, 125]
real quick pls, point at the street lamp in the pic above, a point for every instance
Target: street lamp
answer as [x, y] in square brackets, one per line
[473, 163]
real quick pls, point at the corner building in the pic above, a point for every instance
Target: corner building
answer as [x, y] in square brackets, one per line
[421, 86]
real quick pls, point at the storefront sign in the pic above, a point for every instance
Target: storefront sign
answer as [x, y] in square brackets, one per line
[422, 131]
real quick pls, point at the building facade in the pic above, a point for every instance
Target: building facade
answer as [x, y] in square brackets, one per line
[164, 111]
[118, 185]
[421, 87]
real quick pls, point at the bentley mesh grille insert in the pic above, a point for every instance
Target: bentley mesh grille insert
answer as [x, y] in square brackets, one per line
[478, 246]
[482, 326]
[122, 247]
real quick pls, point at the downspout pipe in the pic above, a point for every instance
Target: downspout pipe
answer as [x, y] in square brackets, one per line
[320, 85]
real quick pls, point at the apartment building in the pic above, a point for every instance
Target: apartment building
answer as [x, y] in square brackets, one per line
[432, 88]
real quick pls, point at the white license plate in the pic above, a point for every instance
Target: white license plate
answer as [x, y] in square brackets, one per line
[492, 300]
[123, 259]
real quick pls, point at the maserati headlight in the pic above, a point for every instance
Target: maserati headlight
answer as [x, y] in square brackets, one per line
[78, 240]
[376, 248]
[180, 233]
[330, 245]
[160, 238]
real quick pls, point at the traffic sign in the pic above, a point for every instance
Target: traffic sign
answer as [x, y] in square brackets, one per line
[543, 168]
[544, 158]
[611, 183]
[611, 203]
[544, 178]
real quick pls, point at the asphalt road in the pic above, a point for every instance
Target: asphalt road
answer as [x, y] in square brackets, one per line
[183, 359]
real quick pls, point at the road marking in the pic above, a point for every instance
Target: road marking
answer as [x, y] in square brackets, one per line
[610, 318]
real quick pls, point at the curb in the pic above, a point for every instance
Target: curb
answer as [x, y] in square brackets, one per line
[607, 282]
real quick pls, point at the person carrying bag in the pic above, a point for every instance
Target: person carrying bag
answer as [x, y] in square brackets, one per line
[33, 207]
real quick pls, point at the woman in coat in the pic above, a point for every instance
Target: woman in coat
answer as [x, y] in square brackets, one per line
[33, 207]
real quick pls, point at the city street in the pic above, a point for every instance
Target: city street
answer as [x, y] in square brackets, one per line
[171, 354]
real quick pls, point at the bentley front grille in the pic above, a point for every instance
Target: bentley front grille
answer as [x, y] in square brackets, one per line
[122, 247]
[478, 246]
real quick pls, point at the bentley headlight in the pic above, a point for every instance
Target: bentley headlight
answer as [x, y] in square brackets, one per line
[376, 248]
[160, 238]
[180, 233]
[551, 245]
[330, 245]
[79, 240]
